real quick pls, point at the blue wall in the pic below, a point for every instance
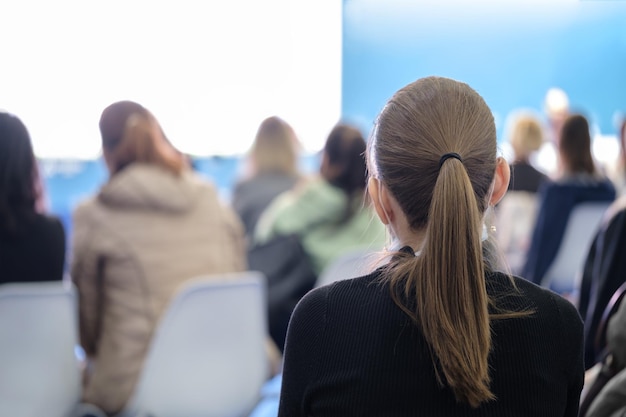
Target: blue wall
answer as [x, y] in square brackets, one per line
[510, 53]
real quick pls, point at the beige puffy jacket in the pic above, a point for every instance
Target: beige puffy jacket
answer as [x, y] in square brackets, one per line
[146, 232]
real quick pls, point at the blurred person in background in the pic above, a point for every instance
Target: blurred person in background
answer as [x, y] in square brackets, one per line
[32, 244]
[526, 138]
[273, 169]
[579, 182]
[152, 226]
[438, 331]
[516, 213]
[329, 212]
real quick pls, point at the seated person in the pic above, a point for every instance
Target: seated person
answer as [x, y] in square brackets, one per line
[526, 138]
[603, 273]
[516, 213]
[273, 170]
[438, 331]
[152, 226]
[328, 212]
[32, 244]
[579, 182]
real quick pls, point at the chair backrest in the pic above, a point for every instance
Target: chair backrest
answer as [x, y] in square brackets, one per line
[349, 265]
[39, 372]
[207, 357]
[584, 220]
[515, 218]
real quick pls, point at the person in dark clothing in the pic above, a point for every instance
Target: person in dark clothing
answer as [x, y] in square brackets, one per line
[437, 330]
[579, 183]
[603, 273]
[526, 137]
[273, 169]
[32, 244]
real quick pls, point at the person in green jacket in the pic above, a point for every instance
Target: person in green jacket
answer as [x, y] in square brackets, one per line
[329, 211]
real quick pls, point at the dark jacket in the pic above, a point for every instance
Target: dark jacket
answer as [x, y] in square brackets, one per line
[604, 272]
[34, 252]
[556, 201]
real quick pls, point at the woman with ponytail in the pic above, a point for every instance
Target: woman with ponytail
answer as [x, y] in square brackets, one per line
[437, 330]
[153, 225]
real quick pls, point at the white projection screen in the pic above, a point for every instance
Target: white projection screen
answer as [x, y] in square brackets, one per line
[210, 71]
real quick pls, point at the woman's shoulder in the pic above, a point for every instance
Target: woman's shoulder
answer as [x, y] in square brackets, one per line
[345, 290]
[513, 293]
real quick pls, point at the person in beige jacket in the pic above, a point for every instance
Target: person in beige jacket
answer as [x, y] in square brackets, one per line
[151, 227]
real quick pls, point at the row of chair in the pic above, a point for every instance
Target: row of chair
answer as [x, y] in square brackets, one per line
[207, 357]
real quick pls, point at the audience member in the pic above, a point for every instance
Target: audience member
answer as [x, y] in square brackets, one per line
[152, 226]
[437, 331]
[603, 273]
[273, 170]
[517, 211]
[579, 182]
[32, 244]
[328, 212]
[526, 137]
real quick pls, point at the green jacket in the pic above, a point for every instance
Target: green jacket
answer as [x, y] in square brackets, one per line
[314, 210]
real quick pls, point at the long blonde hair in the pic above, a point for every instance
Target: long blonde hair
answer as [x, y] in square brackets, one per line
[443, 289]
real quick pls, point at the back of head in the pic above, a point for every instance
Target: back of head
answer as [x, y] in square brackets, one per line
[434, 149]
[575, 145]
[344, 151]
[274, 148]
[18, 171]
[130, 133]
[526, 136]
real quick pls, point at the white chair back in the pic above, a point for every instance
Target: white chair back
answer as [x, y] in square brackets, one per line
[515, 218]
[207, 357]
[349, 265]
[564, 272]
[39, 372]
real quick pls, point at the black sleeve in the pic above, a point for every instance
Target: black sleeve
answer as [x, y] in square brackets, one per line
[573, 364]
[301, 360]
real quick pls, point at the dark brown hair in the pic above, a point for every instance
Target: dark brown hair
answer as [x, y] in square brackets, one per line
[442, 290]
[575, 145]
[130, 133]
[19, 175]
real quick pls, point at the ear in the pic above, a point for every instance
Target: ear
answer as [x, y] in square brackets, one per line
[378, 196]
[501, 181]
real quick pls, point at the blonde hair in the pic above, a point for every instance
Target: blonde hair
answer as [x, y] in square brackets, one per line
[274, 148]
[443, 289]
[130, 133]
[526, 135]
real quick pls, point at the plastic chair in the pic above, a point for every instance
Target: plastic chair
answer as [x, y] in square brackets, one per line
[207, 357]
[563, 274]
[349, 265]
[39, 372]
[515, 216]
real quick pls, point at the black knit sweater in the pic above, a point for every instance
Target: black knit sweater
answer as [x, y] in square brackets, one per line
[352, 352]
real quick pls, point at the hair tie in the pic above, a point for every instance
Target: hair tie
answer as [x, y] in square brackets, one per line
[447, 156]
